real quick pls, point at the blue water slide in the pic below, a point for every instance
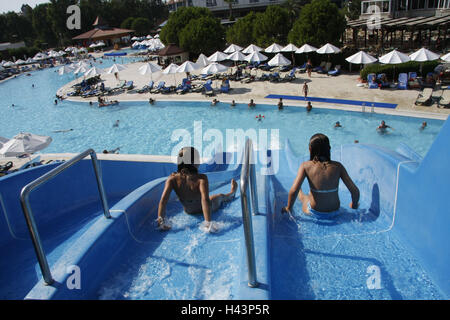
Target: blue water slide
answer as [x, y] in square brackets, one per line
[338, 259]
[127, 257]
[64, 208]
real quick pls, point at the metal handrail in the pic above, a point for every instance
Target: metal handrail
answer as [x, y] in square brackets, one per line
[248, 174]
[29, 217]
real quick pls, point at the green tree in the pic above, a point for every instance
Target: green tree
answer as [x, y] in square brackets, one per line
[180, 19]
[141, 26]
[42, 27]
[202, 35]
[241, 33]
[127, 23]
[294, 7]
[319, 22]
[352, 9]
[272, 26]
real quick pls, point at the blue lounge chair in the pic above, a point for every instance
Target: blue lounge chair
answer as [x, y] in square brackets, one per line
[225, 88]
[402, 81]
[129, 85]
[336, 71]
[184, 87]
[158, 88]
[146, 88]
[371, 81]
[208, 90]
[275, 77]
[291, 75]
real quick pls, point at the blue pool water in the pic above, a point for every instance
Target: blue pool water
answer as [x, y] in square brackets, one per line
[148, 130]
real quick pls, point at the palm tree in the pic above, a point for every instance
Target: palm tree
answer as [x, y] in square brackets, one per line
[230, 6]
[294, 7]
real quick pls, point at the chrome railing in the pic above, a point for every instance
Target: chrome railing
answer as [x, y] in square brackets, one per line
[29, 217]
[248, 176]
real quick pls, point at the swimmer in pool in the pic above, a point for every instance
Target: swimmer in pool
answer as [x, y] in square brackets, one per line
[233, 104]
[337, 124]
[251, 104]
[280, 104]
[192, 189]
[62, 131]
[115, 125]
[423, 126]
[214, 102]
[382, 128]
[323, 176]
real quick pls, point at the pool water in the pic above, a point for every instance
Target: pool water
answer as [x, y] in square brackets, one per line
[184, 263]
[146, 129]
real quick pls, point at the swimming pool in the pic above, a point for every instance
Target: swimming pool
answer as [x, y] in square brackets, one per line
[146, 129]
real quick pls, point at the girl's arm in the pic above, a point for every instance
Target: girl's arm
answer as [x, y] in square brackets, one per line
[351, 187]
[163, 202]
[206, 202]
[293, 192]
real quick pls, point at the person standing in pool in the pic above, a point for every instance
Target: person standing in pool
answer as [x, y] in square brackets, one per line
[323, 176]
[192, 189]
[423, 126]
[308, 107]
[382, 128]
[280, 104]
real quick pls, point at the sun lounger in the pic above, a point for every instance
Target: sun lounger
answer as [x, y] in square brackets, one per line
[129, 85]
[424, 97]
[208, 90]
[275, 77]
[371, 81]
[436, 95]
[320, 67]
[302, 69]
[290, 76]
[120, 86]
[146, 88]
[158, 88]
[445, 99]
[225, 88]
[402, 81]
[336, 71]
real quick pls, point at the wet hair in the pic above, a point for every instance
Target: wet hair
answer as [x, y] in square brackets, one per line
[188, 160]
[319, 146]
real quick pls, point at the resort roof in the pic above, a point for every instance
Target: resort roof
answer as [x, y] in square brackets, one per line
[171, 50]
[103, 34]
[404, 22]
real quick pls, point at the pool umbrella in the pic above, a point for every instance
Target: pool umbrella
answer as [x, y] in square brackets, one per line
[251, 48]
[171, 69]
[93, 72]
[361, 58]
[188, 66]
[273, 48]
[29, 60]
[94, 45]
[256, 57]
[290, 48]
[81, 69]
[116, 68]
[202, 60]
[394, 57]
[1, 68]
[237, 56]
[232, 48]
[65, 70]
[3, 141]
[279, 60]
[306, 48]
[422, 55]
[20, 62]
[157, 44]
[217, 57]
[149, 68]
[214, 68]
[8, 64]
[328, 49]
[24, 143]
[446, 57]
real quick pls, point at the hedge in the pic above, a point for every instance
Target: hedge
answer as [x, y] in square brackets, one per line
[388, 69]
